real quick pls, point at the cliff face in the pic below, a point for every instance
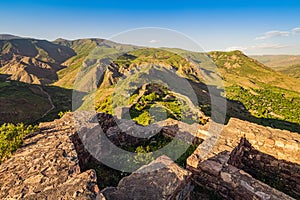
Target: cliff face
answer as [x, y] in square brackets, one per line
[51, 164]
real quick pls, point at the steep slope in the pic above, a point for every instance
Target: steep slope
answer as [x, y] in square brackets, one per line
[31, 103]
[148, 65]
[237, 68]
[84, 48]
[32, 61]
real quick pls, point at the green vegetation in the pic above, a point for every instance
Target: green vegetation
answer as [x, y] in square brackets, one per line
[104, 105]
[237, 68]
[106, 176]
[28, 103]
[11, 138]
[21, 102]
[269, 103]
[145, 153]
[157, 104]
[62, 113]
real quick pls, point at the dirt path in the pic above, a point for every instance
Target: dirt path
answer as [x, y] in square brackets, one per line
[49, 99]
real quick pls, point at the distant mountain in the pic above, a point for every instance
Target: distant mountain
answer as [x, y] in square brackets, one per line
[31, 60]
[275, 61]
[83, 48]
[8, 37]
[253, 91]
[287, 64]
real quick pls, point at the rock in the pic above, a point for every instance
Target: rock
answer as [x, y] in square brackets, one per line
[211, 167]
[161, 179]
[47, 166]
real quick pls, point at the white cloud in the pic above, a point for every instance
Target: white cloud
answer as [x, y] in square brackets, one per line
[236, 48]
[276, 33]
[256, 47]
[153, 41]
[272, 34]
[296, 30]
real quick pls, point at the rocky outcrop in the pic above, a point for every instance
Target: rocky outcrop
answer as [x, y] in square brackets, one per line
[161, 179]
[265, 154]
[47, 167]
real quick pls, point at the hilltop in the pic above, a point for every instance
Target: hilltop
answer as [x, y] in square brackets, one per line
[8, 37]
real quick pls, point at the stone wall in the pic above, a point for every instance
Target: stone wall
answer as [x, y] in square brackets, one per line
[282, 144]
[47, 167]
[52, 162]
[232, 183]
[281, 174]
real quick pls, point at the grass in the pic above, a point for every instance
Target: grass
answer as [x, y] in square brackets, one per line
[11, 138]
[25, 103]
[237, 68]
[21, 102]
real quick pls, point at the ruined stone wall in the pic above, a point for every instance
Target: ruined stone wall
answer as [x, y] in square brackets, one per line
[47, 167]
[52, 162]
[282, 144]
[281, 174]
[232, 183]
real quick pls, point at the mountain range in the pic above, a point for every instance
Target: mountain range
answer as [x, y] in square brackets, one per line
[40, 74]
[187, 96]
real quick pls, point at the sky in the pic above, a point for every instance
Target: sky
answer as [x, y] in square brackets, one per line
[254, 27]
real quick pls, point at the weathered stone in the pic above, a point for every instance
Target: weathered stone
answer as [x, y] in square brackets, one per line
[161, 179]
[46, 167]
[283, 174]
[211, 167]
[232, 183]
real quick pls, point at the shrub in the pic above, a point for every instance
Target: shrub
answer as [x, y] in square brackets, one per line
[11, 138]
[62, 113]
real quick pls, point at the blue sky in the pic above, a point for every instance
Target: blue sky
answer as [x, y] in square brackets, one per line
[255, 27]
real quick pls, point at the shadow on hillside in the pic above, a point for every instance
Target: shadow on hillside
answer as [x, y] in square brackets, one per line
[28, 103]
[234, 109]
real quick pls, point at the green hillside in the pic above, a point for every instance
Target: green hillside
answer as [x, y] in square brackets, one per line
[264, 93]
[254, 91]
[29, 103]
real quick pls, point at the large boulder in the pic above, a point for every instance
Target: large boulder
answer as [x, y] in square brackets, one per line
[161, 179]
